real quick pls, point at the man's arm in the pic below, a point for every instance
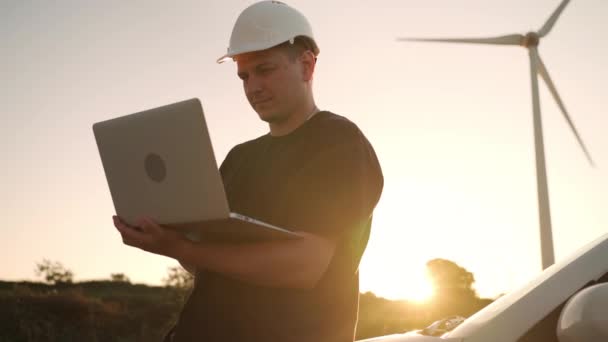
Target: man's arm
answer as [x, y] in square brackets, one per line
[297, 263]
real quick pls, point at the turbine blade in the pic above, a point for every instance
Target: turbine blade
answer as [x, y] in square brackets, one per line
[542, 70]
[512, 39]
[552, 19]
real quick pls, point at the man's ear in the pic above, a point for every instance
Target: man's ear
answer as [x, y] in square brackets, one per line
[309, 62]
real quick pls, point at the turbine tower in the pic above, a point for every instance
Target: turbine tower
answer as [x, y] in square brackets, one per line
[537, 67]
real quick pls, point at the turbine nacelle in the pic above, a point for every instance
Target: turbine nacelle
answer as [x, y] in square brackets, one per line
[531, 39]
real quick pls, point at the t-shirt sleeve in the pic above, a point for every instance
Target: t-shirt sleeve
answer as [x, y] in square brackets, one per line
[228, 166]
[338, 189]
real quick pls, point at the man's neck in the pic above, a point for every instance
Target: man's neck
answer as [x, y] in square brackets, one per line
[294, 121]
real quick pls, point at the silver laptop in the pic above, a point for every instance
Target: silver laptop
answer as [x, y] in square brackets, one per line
[160, 163]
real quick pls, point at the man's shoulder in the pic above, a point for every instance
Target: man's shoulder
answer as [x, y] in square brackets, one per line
[249, 144]
[333, 120]
[338, 127]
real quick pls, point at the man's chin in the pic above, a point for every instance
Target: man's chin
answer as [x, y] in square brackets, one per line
[269, 117]
[270, 120]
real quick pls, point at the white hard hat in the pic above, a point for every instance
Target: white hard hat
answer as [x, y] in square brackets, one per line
[266, 24]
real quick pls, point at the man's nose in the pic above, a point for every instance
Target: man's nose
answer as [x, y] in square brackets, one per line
[253, 85]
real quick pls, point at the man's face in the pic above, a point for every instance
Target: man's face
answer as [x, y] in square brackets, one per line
[273, 84]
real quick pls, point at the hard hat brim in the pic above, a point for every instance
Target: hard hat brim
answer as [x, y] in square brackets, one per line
[313, 47]
[224, 58]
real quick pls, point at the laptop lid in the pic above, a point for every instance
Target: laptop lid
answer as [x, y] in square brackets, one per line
[160, 163]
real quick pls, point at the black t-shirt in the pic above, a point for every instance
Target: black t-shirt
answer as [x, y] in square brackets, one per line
[323, 178]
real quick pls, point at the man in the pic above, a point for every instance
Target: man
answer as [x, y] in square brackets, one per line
[314, 173]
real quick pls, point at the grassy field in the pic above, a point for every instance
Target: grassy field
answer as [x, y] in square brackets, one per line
[120, 311]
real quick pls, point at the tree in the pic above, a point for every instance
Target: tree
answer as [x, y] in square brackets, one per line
[119, 278]
[54, 272]
[179, 278]
[448, 277]
[453, 290]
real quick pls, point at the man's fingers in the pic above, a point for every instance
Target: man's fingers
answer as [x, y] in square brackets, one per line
[128, 233]
[144, 234]
[118, 223]
[148, 225]
[127, 241]
[133, 238]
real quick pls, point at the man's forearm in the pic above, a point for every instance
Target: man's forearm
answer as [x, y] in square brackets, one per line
[292, 264]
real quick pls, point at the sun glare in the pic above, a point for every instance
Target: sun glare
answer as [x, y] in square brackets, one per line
[421, 290]
[414, 287]
[412, 284]
[394, 266]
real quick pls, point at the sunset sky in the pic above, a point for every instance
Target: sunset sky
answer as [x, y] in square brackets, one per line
[451, 124]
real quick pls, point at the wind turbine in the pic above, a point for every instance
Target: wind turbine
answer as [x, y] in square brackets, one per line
[537, 67]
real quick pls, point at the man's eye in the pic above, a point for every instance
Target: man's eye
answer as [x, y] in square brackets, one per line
[266, 70]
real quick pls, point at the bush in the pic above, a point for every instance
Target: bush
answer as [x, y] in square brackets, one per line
[54, 272]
